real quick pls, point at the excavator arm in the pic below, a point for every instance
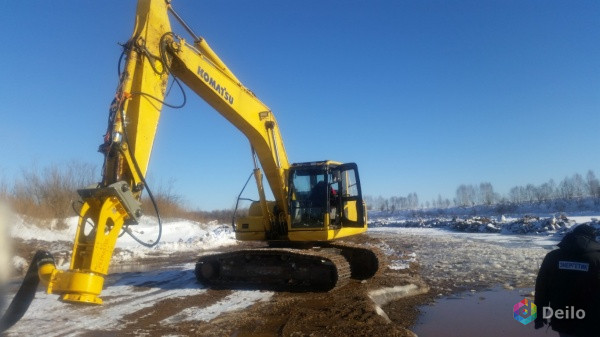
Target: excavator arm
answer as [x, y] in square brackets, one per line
[109, 207]
[152, 54]
[199, 69]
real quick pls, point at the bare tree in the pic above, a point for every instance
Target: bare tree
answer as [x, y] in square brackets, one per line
[48, 193]
[369, 201]
[566, 188]
[592, 184]
[486, 193]
[579, 186]
[530, 192]
[412, 201]
[545, 191]
[517, 194]
[465, 195]
[439, 202]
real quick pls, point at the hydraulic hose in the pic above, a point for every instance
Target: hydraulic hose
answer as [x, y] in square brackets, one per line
[23, 298]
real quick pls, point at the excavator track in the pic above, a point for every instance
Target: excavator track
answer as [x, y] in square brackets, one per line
[287, 269]
[365, 262]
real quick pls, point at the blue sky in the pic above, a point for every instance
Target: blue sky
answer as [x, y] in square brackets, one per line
[422, 95]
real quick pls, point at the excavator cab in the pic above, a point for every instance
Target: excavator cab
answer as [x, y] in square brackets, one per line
[325, 195]
[324, 202]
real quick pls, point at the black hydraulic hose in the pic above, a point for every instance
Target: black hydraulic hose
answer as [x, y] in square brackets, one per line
[154, 204]
[166, 69]
[23, 298]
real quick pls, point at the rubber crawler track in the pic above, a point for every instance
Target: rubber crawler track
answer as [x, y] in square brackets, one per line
[365, 262]
[287, 269]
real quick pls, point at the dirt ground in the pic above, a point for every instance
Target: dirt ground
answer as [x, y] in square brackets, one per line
[346, 311]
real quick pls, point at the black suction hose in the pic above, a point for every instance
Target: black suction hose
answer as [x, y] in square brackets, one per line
[20, 303]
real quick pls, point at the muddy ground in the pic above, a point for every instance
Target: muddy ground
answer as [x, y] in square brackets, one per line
[345, 311]
[375, 307]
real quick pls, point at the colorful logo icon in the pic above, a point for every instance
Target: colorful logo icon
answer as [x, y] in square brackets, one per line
[525, 311]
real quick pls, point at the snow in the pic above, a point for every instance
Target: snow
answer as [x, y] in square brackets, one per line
[490, 249]
[236, 301]
[386, 295]
[26, 230]
[539, 225]
[468, 248]
[5, 244]
[466, 260]
[466, 252]
[397, 260]
[128, 292]
[122, 299]
[177, 236]
[19, 263]
[383, 296]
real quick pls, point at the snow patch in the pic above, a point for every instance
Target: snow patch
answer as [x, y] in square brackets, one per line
[397, 260]
[235, 301]
[19, 264]
[126, 293]
[469, 260]
[384, 296]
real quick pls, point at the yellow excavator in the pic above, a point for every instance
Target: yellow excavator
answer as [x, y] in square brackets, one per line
[315, 202]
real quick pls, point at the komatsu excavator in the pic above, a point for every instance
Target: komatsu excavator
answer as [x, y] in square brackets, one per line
[315, 202]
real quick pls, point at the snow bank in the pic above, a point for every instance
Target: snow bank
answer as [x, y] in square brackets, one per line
[24, 229]
[555, 225]
[177, 236]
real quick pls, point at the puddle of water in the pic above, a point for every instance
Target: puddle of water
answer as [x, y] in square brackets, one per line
[485, 313]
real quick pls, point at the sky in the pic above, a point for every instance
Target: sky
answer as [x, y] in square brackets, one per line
[422, 95]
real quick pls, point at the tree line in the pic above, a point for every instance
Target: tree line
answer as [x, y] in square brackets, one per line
[575, 187]
[50, 193]
[397, 203]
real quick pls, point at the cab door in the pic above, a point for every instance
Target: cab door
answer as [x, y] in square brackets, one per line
[351, 208]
